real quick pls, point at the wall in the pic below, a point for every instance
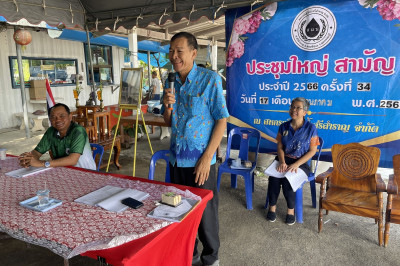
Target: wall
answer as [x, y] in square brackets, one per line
[44, 46]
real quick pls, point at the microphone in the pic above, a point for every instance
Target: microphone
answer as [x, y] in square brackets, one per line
[171, 80]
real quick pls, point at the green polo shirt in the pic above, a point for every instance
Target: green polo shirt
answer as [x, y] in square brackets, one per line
[75, 141]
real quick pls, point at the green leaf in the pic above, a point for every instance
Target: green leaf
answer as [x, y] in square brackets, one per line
[265, 17]
[113, 129]
[130, 132]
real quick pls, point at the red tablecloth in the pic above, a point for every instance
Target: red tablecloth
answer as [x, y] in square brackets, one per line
[171, 245]
[73, 228]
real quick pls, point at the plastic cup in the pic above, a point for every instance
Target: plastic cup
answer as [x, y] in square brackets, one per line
[237, 162]
[3, 154]
[43, 197]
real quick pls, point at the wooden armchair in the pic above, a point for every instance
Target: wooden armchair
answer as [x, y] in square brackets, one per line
[104, 137]
[81, 117]
[393, 200]
[98, 128]
[354, 186]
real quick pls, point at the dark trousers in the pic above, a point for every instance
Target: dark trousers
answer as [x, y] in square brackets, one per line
[209, 225]
[274, 186]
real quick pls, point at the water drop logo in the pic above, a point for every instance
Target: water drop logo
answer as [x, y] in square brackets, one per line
[313, 28]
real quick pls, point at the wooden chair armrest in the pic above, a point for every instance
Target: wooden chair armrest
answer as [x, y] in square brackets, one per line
[323, 176]
[380, 185]
[392, 187]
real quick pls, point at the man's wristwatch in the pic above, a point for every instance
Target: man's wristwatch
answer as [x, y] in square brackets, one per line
[46, 164]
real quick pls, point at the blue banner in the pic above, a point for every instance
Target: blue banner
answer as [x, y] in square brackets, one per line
[340, 55]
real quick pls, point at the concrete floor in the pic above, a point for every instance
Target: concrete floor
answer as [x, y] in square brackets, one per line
[247, 238]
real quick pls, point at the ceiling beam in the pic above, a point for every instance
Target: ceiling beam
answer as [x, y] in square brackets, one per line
[184, 24]
[200, 42]
[166, 37]
[220, 36]
[207, 42]
[153, 34]
[175, 26]
[211, 31]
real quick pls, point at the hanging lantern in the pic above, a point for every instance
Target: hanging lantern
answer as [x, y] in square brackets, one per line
[22, 37]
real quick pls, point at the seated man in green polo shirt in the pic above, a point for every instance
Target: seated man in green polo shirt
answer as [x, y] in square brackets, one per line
[67, 141]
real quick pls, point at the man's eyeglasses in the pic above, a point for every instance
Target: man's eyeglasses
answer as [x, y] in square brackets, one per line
[296, 108]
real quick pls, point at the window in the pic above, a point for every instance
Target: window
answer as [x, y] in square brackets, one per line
[102, 64]
[60, 72]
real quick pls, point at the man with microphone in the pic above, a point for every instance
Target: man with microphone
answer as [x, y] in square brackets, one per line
[194, 106]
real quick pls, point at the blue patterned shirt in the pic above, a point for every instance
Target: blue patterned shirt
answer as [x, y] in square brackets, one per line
[199, 103]
[297, 143]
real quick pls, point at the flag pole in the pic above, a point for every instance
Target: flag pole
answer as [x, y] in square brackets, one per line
[49, 97]
[22, 86]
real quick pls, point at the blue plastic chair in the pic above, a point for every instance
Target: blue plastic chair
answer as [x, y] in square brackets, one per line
[97, 149]
[164, 155]
[246, 134]
[299, 193]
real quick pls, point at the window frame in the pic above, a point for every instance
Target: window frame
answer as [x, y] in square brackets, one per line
[15, 86]
[108, 66]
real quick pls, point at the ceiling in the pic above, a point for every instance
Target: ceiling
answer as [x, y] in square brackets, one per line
[155, 20]
[204, 30]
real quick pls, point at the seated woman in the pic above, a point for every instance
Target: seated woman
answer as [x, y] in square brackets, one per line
[297, 143]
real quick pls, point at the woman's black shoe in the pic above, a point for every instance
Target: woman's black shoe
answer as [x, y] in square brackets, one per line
[271, 216]
[290, 219]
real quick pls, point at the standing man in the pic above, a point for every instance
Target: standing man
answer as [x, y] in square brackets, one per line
[67, 141]
[198, 122]
[155, 86]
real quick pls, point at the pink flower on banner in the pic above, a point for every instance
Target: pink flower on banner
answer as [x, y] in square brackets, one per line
[236, 50]
[229, 61]
[241, 26]
[255, 21]
[389, 9]
[247, 24]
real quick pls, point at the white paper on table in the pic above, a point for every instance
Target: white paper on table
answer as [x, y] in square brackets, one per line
[96, 196]
[114, 204]
[173, 214]
[109, 197]
[295, 179]
[22, 172]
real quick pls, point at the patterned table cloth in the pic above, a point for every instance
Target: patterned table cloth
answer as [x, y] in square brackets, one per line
[74, 228]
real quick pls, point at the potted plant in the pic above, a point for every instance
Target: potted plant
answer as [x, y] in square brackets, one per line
[129, 132]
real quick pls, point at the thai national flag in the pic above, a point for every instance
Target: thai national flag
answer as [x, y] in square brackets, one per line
[49, 97]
